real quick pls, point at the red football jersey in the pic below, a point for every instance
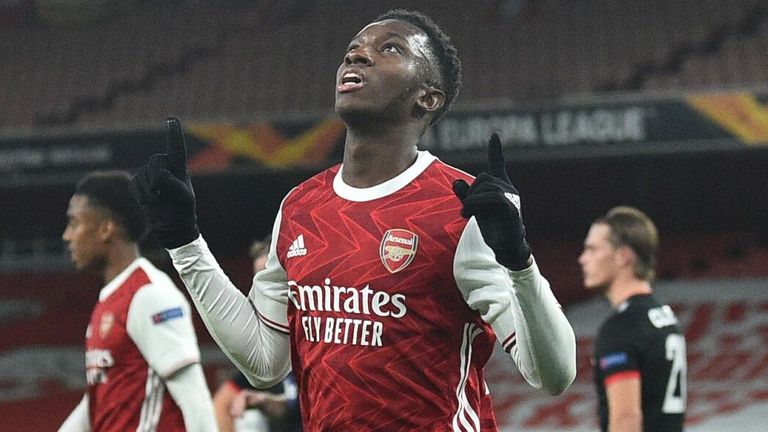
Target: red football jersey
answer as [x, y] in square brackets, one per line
[125, 387]
[382, 338]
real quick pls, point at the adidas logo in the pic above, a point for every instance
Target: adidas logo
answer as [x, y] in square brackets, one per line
[297, 247]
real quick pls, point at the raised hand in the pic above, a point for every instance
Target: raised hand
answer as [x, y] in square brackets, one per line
[164, 190]
[495, 203]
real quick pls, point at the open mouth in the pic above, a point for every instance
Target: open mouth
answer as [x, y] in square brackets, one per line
[350, 81]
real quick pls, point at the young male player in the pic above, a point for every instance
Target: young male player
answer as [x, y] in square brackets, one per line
[640, 358]
[389, 277]
[142, 360]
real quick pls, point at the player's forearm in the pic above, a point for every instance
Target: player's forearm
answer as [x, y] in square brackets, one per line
[260, 352]
[521, 309]
[221, 403]
[190, 392]
[543, 331]
[626, 422]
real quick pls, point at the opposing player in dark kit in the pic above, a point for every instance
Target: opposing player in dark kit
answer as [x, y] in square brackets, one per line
[640, 356]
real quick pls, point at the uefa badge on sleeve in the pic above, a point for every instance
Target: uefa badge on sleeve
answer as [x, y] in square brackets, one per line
[398, 248]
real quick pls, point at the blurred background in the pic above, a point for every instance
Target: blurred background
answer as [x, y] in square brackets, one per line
[659, 104]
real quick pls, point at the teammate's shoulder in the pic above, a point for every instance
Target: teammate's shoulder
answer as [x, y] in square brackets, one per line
[158, 296]
[158, 279]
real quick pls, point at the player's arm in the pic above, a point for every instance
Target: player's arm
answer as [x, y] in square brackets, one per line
[189, 390]
[292, 394]
[159, 323]
[252, 331]
[498, 276]
[623, 394]
[617, 355]
[222, 401]
[278, 406]
[522, 310]
[259, 350]
[78, 420]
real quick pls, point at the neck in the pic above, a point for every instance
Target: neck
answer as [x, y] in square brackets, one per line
[623, 288]
[119, 258]
[375, 155]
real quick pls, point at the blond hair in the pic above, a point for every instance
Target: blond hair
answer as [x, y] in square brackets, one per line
[632, 228]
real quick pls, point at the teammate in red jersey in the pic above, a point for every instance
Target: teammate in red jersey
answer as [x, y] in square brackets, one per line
[142, 360]
[389, 277]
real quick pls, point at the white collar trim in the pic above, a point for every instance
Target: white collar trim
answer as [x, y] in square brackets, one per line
[115, 283]
[389, 187]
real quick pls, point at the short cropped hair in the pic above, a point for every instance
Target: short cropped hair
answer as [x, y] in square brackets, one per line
[442, 48]
[632, 228]
[260, 247]
[109, 190]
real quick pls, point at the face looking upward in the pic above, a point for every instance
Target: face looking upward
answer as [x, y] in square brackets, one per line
[87, 234]
[386, 72]
[601, 260]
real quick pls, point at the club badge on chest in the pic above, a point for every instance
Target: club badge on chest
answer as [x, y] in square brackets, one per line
[398, 248]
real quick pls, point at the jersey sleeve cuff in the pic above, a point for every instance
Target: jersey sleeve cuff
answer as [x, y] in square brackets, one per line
[621, 376]
[527, 273]
[531, 286]
[191, 249]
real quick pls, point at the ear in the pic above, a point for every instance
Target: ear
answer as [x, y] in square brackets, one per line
[626, 256]
[430, 99]
[108, 230]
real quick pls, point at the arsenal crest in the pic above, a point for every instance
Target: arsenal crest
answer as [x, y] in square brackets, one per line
[398, 247]
[106, 324]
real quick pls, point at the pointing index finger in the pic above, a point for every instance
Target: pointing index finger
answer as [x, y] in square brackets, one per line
[176, 148]
[496, 166]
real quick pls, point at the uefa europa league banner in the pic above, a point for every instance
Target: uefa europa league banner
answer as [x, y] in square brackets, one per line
[626, 126]
[694, 122]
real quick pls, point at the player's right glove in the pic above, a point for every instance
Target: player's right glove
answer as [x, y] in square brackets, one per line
[495, 203]
[164, 190]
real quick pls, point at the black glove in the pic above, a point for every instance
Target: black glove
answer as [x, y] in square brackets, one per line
[495, 203]
[164, 190]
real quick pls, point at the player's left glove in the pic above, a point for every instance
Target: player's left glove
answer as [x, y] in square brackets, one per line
[495, 203]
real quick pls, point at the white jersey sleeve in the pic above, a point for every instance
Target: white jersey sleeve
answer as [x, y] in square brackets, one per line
[160, 324]
[252, 331]
[190, 392]
[522, 310]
